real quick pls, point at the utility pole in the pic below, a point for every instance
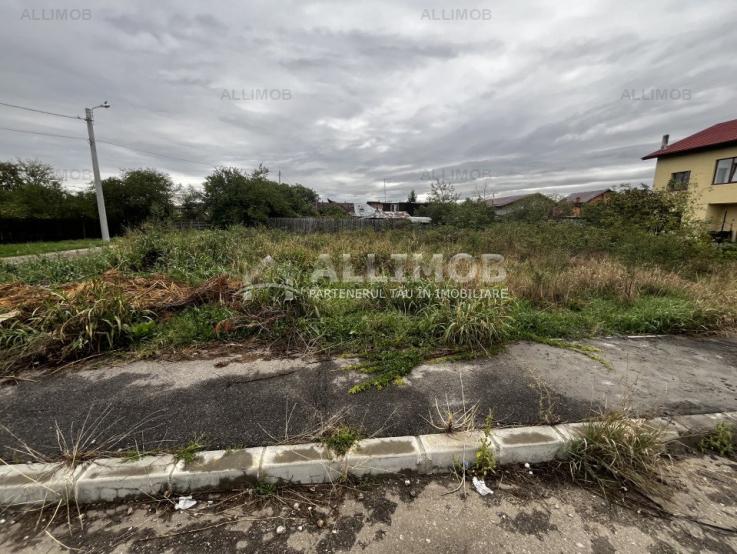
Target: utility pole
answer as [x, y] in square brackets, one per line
[96, 171]
[384, 191]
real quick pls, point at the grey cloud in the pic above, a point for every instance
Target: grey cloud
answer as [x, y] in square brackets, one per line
[531, 100]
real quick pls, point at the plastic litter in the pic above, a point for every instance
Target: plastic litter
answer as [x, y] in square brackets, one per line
[481, 487]
[185, 503]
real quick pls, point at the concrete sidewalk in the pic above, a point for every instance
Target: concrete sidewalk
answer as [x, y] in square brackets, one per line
[526, 513]
[232, 402]
[60, 254]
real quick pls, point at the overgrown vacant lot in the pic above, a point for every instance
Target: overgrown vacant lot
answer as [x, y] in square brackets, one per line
[159, 291]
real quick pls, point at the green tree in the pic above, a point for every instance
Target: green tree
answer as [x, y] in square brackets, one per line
[412, 198]
[193, 205]
[469, 214]
[653, 211]
[136, 196]
[442, 192]
[30, 189]
[533, 209]
[233, 196]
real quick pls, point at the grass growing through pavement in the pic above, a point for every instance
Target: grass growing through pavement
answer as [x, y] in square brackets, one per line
[340, 440]
[616, 451]
[721, 440]
[159, 290]
[188, 452]
[32, 248]
[485, 458]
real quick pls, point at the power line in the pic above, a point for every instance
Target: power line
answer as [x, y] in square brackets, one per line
[154, 154]
[39, 111]
[40, 133]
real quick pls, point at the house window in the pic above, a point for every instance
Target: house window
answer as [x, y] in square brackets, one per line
[726, 171]
[679, 180]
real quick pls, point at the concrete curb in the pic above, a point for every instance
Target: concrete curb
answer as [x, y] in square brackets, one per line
[76, 253]
[115, 479]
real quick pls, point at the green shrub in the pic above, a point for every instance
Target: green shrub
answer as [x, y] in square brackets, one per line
[474, 324]
[192, 326]
[721, 440]
[340, 440]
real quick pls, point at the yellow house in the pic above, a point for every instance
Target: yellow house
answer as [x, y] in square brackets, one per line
[705, 164]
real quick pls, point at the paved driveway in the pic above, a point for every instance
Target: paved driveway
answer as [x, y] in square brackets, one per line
[236, 402]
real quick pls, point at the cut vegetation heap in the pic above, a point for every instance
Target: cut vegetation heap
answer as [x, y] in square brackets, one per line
[159, 290]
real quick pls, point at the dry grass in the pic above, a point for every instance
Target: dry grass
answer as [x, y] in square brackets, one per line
[581, 278]
[615, 451]
[95, 437]
[565, 281]
[449, 420]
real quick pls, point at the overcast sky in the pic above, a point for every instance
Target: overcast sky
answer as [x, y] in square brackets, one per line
[510, 96]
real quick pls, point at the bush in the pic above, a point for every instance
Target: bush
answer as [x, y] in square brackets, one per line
[652, 211]
[472, 324]
[616, 451]
[721, 440]
[470, 214]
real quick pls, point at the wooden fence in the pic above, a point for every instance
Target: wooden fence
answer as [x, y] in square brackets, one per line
[330, 225]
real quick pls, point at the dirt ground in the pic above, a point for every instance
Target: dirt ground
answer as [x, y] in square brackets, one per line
[538, 512]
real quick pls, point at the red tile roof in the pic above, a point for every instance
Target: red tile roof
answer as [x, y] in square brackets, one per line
[719, 134]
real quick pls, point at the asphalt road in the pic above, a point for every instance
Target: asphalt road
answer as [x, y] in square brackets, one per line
[240, 402]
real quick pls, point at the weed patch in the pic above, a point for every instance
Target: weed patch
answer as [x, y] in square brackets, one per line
[265, 489]
[340, 440]
[585, 349]
[616, 451]
[720, 441]
[385, 368]
[485, 456]
[188, 452]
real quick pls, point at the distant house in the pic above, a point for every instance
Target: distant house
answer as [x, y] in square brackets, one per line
[408, 207]
[591, 197]
[334, 207]
[506, 205]
[706, 164]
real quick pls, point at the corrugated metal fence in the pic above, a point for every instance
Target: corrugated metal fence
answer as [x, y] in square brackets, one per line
[329, 225]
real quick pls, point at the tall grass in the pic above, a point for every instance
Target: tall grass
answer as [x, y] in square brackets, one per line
[566, 281]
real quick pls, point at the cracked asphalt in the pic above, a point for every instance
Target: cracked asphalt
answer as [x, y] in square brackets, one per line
[241, 400]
